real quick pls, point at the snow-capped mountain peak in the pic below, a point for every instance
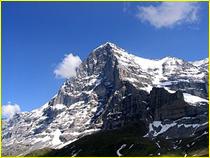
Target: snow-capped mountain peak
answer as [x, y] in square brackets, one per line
[108, 45]
[200, 62]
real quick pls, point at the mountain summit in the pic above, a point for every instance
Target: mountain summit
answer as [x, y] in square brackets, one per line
[111, 91]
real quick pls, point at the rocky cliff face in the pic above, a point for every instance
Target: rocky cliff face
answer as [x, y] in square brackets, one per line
[111, 90]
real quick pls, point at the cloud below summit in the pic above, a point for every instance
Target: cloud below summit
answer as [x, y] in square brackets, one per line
[67, 68]
[169, 14]
[9, 110]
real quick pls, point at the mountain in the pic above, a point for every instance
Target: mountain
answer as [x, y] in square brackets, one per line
[164, 101]
[202, 64]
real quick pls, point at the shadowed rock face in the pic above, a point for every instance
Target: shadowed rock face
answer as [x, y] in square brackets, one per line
[165, 105]
[126, 105]
[129, 104]
[114, 89]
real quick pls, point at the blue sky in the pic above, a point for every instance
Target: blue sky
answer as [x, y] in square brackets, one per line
[36, 37]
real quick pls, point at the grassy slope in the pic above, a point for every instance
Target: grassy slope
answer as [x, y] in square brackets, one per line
[106, 143]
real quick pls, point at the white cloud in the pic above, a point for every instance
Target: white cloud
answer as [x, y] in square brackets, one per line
[169, 14]
[67, 68]
[9, 110]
